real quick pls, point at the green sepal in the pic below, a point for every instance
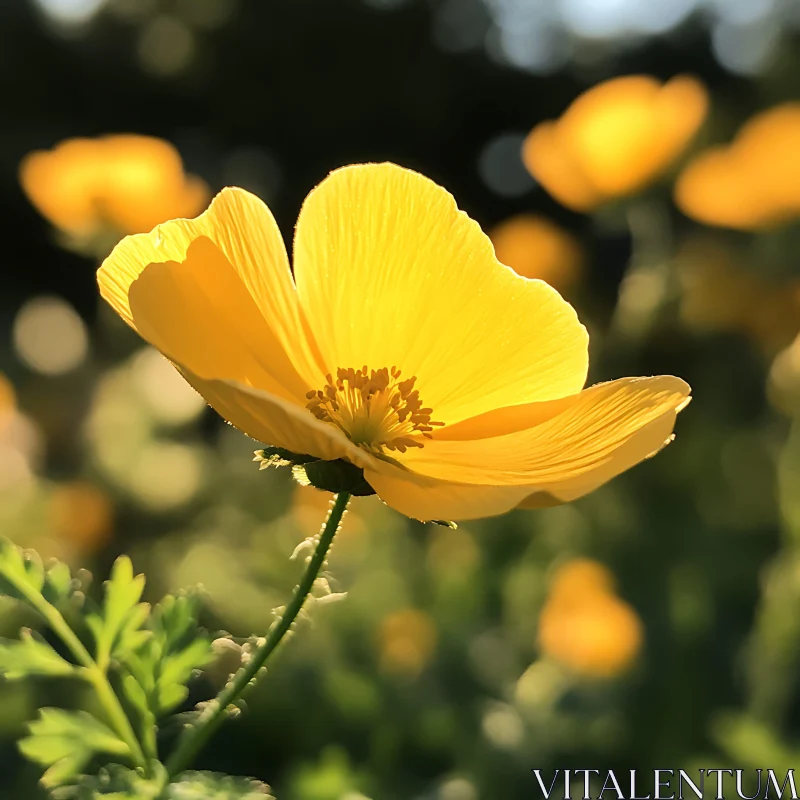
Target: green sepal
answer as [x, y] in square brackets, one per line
[280, 457]
[333, 476]
[445, 523]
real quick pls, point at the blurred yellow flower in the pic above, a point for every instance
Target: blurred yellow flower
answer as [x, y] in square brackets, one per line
[585, 626]
[407, 641]
[400, 345]
[128, 183]
[753, 183]
[81, 514]
[580, 578]
[615, 138]
[8, 401]
[719, 294]
[535, 247]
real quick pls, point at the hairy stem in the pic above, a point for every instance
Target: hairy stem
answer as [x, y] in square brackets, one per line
[196, 736]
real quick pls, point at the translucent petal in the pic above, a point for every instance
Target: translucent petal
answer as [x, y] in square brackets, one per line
[594, 437]
[391, 273]
[244, 234]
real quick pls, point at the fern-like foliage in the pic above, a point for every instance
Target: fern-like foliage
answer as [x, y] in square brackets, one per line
[126, 784]
[139, 660]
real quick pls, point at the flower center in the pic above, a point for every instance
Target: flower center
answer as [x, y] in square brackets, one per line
[375, 409]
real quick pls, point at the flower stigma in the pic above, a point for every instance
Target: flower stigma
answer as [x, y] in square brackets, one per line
[374, 408]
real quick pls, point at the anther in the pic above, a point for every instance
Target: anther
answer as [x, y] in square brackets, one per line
[374, 408]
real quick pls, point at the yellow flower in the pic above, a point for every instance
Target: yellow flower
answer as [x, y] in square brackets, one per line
[719, 293]
[753, 183]
[580, 578]
[81, 514]
[615, 138]
[407, 642]
[400, 345]
[585, 626]
[127, 182]
[8, 402]
[537, 248]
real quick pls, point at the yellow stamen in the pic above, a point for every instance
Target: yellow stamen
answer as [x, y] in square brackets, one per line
[374, 408]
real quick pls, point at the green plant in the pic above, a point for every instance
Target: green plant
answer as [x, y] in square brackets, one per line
[138, 661]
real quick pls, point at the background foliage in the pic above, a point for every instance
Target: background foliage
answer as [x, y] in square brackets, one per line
[431, 679]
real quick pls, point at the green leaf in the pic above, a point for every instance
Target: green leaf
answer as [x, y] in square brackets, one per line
[161, 666]
[65, 741]
[120, 783]
[138, 698]
[116, 782]
[59, 584]
[24, 577]
[175, 649]
[116, 626]
[213, 786]
[31, 655]
[176, 669]
[21, 572]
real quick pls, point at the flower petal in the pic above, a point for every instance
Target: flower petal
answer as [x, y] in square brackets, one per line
[714, 189]
[626, 131]
[273, 421]
[391, 273]
[200, 314]
[142, 183]
[553, 164]
[246, 236]
[430, 499]
[615, 138]
[62, 184]
[596, 435]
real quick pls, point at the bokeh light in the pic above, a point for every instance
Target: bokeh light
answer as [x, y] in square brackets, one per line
[167, 46]
[535, 247]
[168, 396]
[407, 642]
[49, 336]
[501, 168]
[114, 184]
[585, 626]
[718, 293]
[82, 515]
[457, 789]
[608, 19]
[70, 12]
[753, 183]
[615, 138]
[442, 657]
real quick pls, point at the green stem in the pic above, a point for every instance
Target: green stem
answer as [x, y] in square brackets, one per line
[647, 282]
[195, 737]
[92, 672]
